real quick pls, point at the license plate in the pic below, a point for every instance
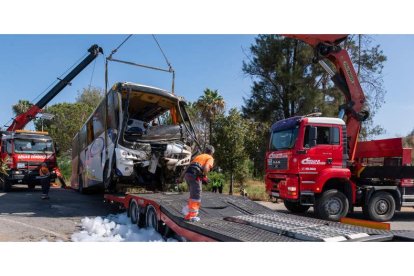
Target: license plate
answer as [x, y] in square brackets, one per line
[275, 194]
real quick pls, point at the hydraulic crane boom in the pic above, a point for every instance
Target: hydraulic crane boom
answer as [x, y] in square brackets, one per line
[345, 78]
[21, 120]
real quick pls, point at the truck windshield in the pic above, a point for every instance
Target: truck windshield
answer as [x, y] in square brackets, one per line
[33, 146]
[283, 139]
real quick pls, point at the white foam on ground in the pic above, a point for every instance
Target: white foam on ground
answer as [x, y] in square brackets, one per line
[114, 228]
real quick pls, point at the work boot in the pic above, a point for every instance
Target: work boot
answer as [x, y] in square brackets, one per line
[192, 219]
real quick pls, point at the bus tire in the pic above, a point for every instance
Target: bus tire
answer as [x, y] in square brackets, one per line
[381, 207]
[151, 220]
[295, 207]
[332, 205]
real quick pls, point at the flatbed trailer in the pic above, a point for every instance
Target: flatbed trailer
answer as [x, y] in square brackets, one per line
[236, 219]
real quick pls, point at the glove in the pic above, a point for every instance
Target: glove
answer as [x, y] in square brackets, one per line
[205, 180]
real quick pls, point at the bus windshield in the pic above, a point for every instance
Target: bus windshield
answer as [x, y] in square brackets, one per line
[33, 146]
[283, 139]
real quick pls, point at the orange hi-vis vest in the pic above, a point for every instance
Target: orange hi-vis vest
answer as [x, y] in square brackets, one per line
[205, 160]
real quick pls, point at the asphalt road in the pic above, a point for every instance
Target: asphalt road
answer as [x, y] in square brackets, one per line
[25, 217]
[403, 220]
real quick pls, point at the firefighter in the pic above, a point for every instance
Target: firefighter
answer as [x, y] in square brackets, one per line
[195, 176]
[44, 180]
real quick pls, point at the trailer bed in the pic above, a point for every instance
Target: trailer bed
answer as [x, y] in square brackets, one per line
[235, 218]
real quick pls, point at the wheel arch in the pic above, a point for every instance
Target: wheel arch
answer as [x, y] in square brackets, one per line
[393, 190]
[343, 185]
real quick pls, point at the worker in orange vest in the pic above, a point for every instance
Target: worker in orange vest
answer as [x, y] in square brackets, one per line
[45, 180]
[195, 176]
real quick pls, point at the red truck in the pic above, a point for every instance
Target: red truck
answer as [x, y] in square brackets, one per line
[318, 161]
[24, 151]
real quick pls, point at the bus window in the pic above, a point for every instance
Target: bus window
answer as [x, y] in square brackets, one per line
[89, 132]
[98, 120]
[82, 138]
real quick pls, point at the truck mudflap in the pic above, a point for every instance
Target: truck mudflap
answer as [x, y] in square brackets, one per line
[235, 218]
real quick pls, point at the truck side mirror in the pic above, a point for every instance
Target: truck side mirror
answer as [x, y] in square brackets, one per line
[313, 134]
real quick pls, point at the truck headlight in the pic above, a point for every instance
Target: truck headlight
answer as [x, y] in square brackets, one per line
[21, 165]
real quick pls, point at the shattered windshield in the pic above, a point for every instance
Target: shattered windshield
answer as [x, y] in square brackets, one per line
[33, 146]
[283, 139]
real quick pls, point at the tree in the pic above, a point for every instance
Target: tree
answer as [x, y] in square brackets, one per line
[229, 139]
[285, 82]
[21, 107]
[90, 96]
[69, 117]
[210, 104]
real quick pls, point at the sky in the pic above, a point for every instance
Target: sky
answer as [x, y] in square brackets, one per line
[31, 63]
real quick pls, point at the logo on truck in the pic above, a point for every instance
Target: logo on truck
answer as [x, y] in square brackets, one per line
[309, 161]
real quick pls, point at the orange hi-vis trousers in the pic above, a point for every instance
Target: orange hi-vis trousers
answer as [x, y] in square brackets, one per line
[193, 208]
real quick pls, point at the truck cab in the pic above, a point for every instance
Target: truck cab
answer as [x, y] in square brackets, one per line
[306, 156]
[24, 152]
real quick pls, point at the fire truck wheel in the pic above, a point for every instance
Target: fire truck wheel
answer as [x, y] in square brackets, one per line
[332, 205]
[295, 207]
[151, 220]
[381, 207]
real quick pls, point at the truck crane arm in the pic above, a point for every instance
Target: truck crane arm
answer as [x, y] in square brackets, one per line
[21, 120]
[344, 77]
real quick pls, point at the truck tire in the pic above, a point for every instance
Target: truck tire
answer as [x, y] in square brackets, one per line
[295, 207]
[381, 207]
[151, 220]
[332, 205]
[31, 186]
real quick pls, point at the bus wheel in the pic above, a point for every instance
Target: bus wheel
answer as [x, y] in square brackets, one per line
[332, 205]
[295, 207]
[151, 220]
[381, 207]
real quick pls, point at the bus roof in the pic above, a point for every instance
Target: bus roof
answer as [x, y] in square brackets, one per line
[124, 86]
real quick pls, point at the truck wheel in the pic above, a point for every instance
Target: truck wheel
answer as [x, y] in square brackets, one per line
[381, 207]
[151, 220]
[31, 186]
[332, 205]
[295, 207]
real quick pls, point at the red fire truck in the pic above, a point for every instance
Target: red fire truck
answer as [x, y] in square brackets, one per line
[24, 151]
[318, 161]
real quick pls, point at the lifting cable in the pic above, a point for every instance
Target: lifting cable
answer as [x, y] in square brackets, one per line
[171, 70]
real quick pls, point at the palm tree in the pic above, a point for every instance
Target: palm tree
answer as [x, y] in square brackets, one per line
[21, 107]
[210, 104]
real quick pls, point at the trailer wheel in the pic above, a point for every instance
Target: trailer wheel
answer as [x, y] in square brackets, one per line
[295, 207]
[135, 213]
[151, 220]
[332, 205]
[381, 207]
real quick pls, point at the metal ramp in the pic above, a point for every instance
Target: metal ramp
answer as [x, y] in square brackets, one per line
[297, 228]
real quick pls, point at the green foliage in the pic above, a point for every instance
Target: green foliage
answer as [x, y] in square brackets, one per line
[210, 105]
[91, 96]
[21, 107]
[229, 139]
[65, 166]
[286, 83]
[69, 118]
[216, 180]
